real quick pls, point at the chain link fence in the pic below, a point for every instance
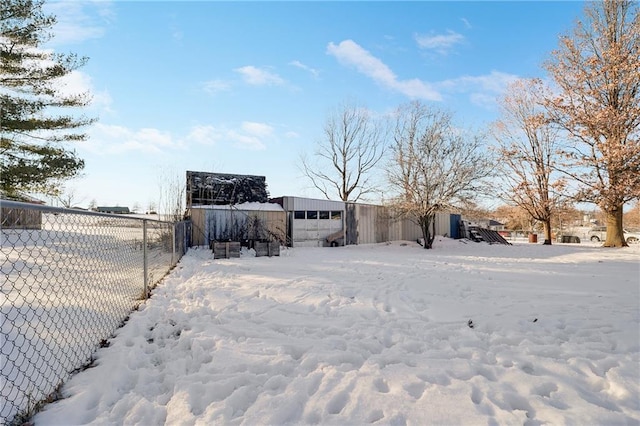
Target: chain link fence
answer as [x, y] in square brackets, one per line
[70, 278]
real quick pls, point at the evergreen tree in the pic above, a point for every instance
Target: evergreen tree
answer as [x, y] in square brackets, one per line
[35, 121]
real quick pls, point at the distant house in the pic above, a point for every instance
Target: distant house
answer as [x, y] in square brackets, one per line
[116, 210]
[494, 225]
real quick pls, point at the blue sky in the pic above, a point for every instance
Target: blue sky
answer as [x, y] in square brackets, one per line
[245, 87]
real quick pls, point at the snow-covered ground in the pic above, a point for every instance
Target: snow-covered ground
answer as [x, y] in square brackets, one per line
[65, 288]
[381, 334]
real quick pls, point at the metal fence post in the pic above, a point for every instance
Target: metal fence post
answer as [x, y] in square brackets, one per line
[173, 243]
[145, 261]
[37, 240]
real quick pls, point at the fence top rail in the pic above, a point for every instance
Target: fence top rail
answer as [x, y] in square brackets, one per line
[50, 209]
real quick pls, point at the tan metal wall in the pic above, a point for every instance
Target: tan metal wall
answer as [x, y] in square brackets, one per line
[406, 229]
[443, 224]
[372, 223]
[202, 232]
[197, 227]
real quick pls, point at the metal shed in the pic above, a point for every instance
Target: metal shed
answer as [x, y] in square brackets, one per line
[310, 221]
[249, 221]
[368, 224]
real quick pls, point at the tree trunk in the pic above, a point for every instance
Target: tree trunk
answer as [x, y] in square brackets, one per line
[427, 223]
[547, 232]
[615, 234]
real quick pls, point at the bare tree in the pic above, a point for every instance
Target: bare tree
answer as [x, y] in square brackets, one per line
[527, 146]
[514, 217]
[473, 210]
[68, 198]
[434, 165]
[152, 207]
[353, 145]
[172, 196]
[632, 217]
[597, 71]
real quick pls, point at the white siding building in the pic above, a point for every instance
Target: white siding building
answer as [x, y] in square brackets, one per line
[311, 221]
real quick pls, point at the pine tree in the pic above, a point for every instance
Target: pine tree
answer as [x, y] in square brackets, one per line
[35, 121]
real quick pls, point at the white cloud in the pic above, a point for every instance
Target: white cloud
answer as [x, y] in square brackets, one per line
[205, 135]
[176, 32]
[154, 137]
[259, 77]
[351, 54]
[439, 42]
[307, 68]
[177, 35]
[77, 82]
[216, 86]
[112, 139]
[493, 82]
[245, 141]
[73, 83]
[483, 90]
[466, 23]
[78, 21]
[105, 139]
[257, 129]
[249, 135]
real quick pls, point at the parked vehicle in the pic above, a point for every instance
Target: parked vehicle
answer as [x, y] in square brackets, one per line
[336, 239]
[599, 233]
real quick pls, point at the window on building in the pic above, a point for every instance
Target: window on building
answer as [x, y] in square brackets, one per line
[336, 215]
[312, 214]
[299, 214]
[324, 214]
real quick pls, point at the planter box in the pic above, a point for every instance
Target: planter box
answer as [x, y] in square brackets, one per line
[573, 239]
[271, 248]
[226, 250]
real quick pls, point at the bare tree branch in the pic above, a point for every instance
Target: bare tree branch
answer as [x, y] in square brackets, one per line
[527, 146]
[434, 165]
[347, 156]
[597, 73]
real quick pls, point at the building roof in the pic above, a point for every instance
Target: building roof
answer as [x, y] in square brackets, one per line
[244, 207]
[113, 209]
[21, 196]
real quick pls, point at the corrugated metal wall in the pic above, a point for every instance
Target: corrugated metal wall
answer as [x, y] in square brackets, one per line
[364, 223]
[298, 203]
[443, 226]
[368, 223]
[410, 230]
[224, 224]
[197, 228]
[311, 232]
[396, 229]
